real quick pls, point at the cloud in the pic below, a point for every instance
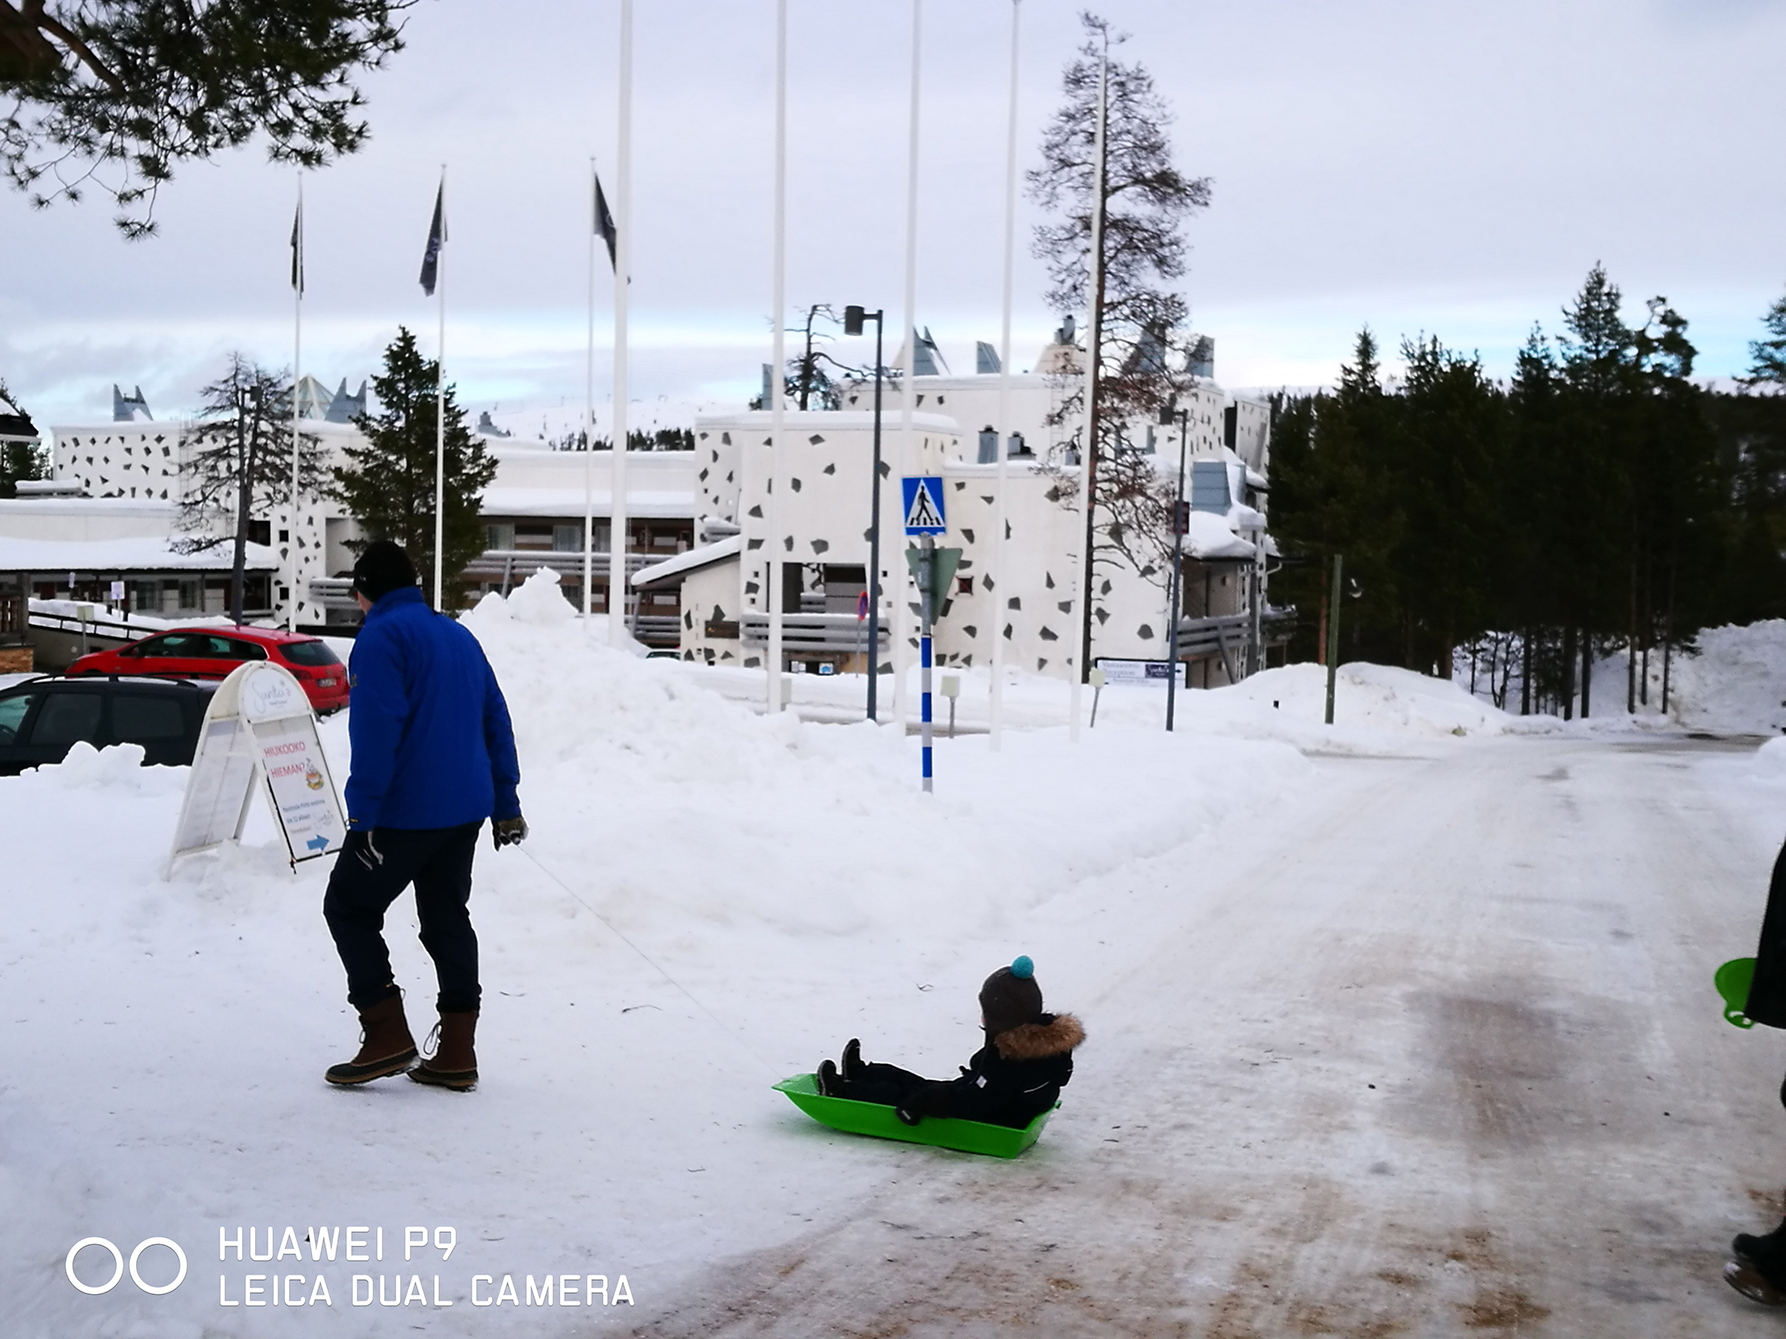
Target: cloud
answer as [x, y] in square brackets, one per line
[1444, 168]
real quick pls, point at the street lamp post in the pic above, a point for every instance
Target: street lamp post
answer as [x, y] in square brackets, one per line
[1180, 523]
[853, 319]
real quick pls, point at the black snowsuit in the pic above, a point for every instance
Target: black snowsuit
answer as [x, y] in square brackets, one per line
[1767, 994]
[1011, 1080]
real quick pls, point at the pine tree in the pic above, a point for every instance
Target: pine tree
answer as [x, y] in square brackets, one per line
[388, 484]
[140, 85]
[237, 459]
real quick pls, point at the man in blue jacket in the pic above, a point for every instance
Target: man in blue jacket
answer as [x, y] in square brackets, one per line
[433, 757]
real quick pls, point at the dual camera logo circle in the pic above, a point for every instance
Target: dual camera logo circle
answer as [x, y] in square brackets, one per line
[118, 1265]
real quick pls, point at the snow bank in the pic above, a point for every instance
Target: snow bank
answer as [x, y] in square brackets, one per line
[699, 807]
[1735, 684]
[1377, 708]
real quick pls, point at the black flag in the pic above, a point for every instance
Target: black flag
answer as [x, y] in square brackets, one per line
[297, 250]
[436, 238]
[604, 222]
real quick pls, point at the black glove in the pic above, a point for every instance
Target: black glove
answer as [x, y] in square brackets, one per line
[908, 1112]
[359, 846]
[508, 831]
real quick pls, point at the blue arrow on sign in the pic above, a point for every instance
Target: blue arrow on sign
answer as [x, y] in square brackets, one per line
[923, 494]
[317, 843]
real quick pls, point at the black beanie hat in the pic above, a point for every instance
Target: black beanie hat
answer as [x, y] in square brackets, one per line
[382, 568]
[1010, 998]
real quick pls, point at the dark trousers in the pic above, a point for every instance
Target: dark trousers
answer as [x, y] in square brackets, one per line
[888, 1085]
[438, 862]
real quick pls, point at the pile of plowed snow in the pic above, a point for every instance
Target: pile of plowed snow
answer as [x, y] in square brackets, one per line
[1735, 683]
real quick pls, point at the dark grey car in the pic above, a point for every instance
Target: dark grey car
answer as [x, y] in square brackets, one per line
[41, 719]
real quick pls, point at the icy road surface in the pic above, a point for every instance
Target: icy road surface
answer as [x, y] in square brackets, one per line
[1441, 1058]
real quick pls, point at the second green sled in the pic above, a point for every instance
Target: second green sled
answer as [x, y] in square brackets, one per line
[1733, 980]
[871, 1118]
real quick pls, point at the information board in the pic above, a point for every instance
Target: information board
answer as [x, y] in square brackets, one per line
[1141, 672]
[260, 724]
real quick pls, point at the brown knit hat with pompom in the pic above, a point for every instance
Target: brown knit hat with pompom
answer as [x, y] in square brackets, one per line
[1010, 998]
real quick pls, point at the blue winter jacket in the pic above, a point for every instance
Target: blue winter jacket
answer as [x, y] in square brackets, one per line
[432, 743]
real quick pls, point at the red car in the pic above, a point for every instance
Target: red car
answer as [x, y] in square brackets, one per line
[212, 652]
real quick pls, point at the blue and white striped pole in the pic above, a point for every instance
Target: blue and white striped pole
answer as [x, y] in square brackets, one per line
[926, 599]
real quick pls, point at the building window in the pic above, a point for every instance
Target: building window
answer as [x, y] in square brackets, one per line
[1209, 486]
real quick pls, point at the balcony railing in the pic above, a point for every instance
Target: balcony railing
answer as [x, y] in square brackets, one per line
[812, 632]
[508, 564]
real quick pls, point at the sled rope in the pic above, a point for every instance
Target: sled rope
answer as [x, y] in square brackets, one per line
[649, 961]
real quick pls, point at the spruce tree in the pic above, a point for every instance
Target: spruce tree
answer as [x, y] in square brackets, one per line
[388, 484]
[1768, 356]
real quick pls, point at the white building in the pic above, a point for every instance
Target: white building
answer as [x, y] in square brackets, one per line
[702, 523]
[809, 503]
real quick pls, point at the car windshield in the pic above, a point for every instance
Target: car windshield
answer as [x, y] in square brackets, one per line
[314, 652]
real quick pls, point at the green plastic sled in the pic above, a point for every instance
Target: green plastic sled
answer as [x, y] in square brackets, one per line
[1733, 980]
[966, 1136]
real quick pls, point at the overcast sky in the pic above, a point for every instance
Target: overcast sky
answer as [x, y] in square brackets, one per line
[1420, 165]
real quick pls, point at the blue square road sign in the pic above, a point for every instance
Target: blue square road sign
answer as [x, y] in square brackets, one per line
[923, 497]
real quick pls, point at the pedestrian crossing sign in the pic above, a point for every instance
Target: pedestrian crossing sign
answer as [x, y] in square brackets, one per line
[923, 494]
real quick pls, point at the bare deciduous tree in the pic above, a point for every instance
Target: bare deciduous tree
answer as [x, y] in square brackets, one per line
[237, 456]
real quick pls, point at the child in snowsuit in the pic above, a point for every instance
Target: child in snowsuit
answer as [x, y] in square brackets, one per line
[1013, 1078]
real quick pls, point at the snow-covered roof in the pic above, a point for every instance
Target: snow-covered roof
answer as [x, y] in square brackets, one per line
[826, 420]
[146, 554]
[684, 563]
[1210, 539]
[649, 504]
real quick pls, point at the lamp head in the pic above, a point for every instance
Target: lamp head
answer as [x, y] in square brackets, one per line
[853, 318]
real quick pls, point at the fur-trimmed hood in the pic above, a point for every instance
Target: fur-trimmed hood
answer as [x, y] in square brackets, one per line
[1055, 1034]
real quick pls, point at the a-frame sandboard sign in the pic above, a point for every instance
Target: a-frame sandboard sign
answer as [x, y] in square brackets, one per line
[260, 726]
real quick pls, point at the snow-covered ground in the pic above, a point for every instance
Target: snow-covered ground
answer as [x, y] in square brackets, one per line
[1258, 918]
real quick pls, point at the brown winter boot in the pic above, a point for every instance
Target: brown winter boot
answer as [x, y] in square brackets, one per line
[385, 1045]
[454, 1063]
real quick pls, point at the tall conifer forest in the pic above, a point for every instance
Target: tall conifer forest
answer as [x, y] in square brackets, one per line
[1599, 503]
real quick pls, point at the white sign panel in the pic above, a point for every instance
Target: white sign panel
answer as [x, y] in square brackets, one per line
[298, 784]
[219, 787]
[1142, 672]
[260, 722]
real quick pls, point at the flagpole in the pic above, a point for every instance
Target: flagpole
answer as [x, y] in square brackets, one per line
[623, 268]
[440, 406]
[778, 384]
[900, 575]
[1003, 446]
[589, 418]
[297, 384]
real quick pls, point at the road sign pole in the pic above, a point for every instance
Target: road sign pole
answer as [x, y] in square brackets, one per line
[926, 602]
[1333, 611]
